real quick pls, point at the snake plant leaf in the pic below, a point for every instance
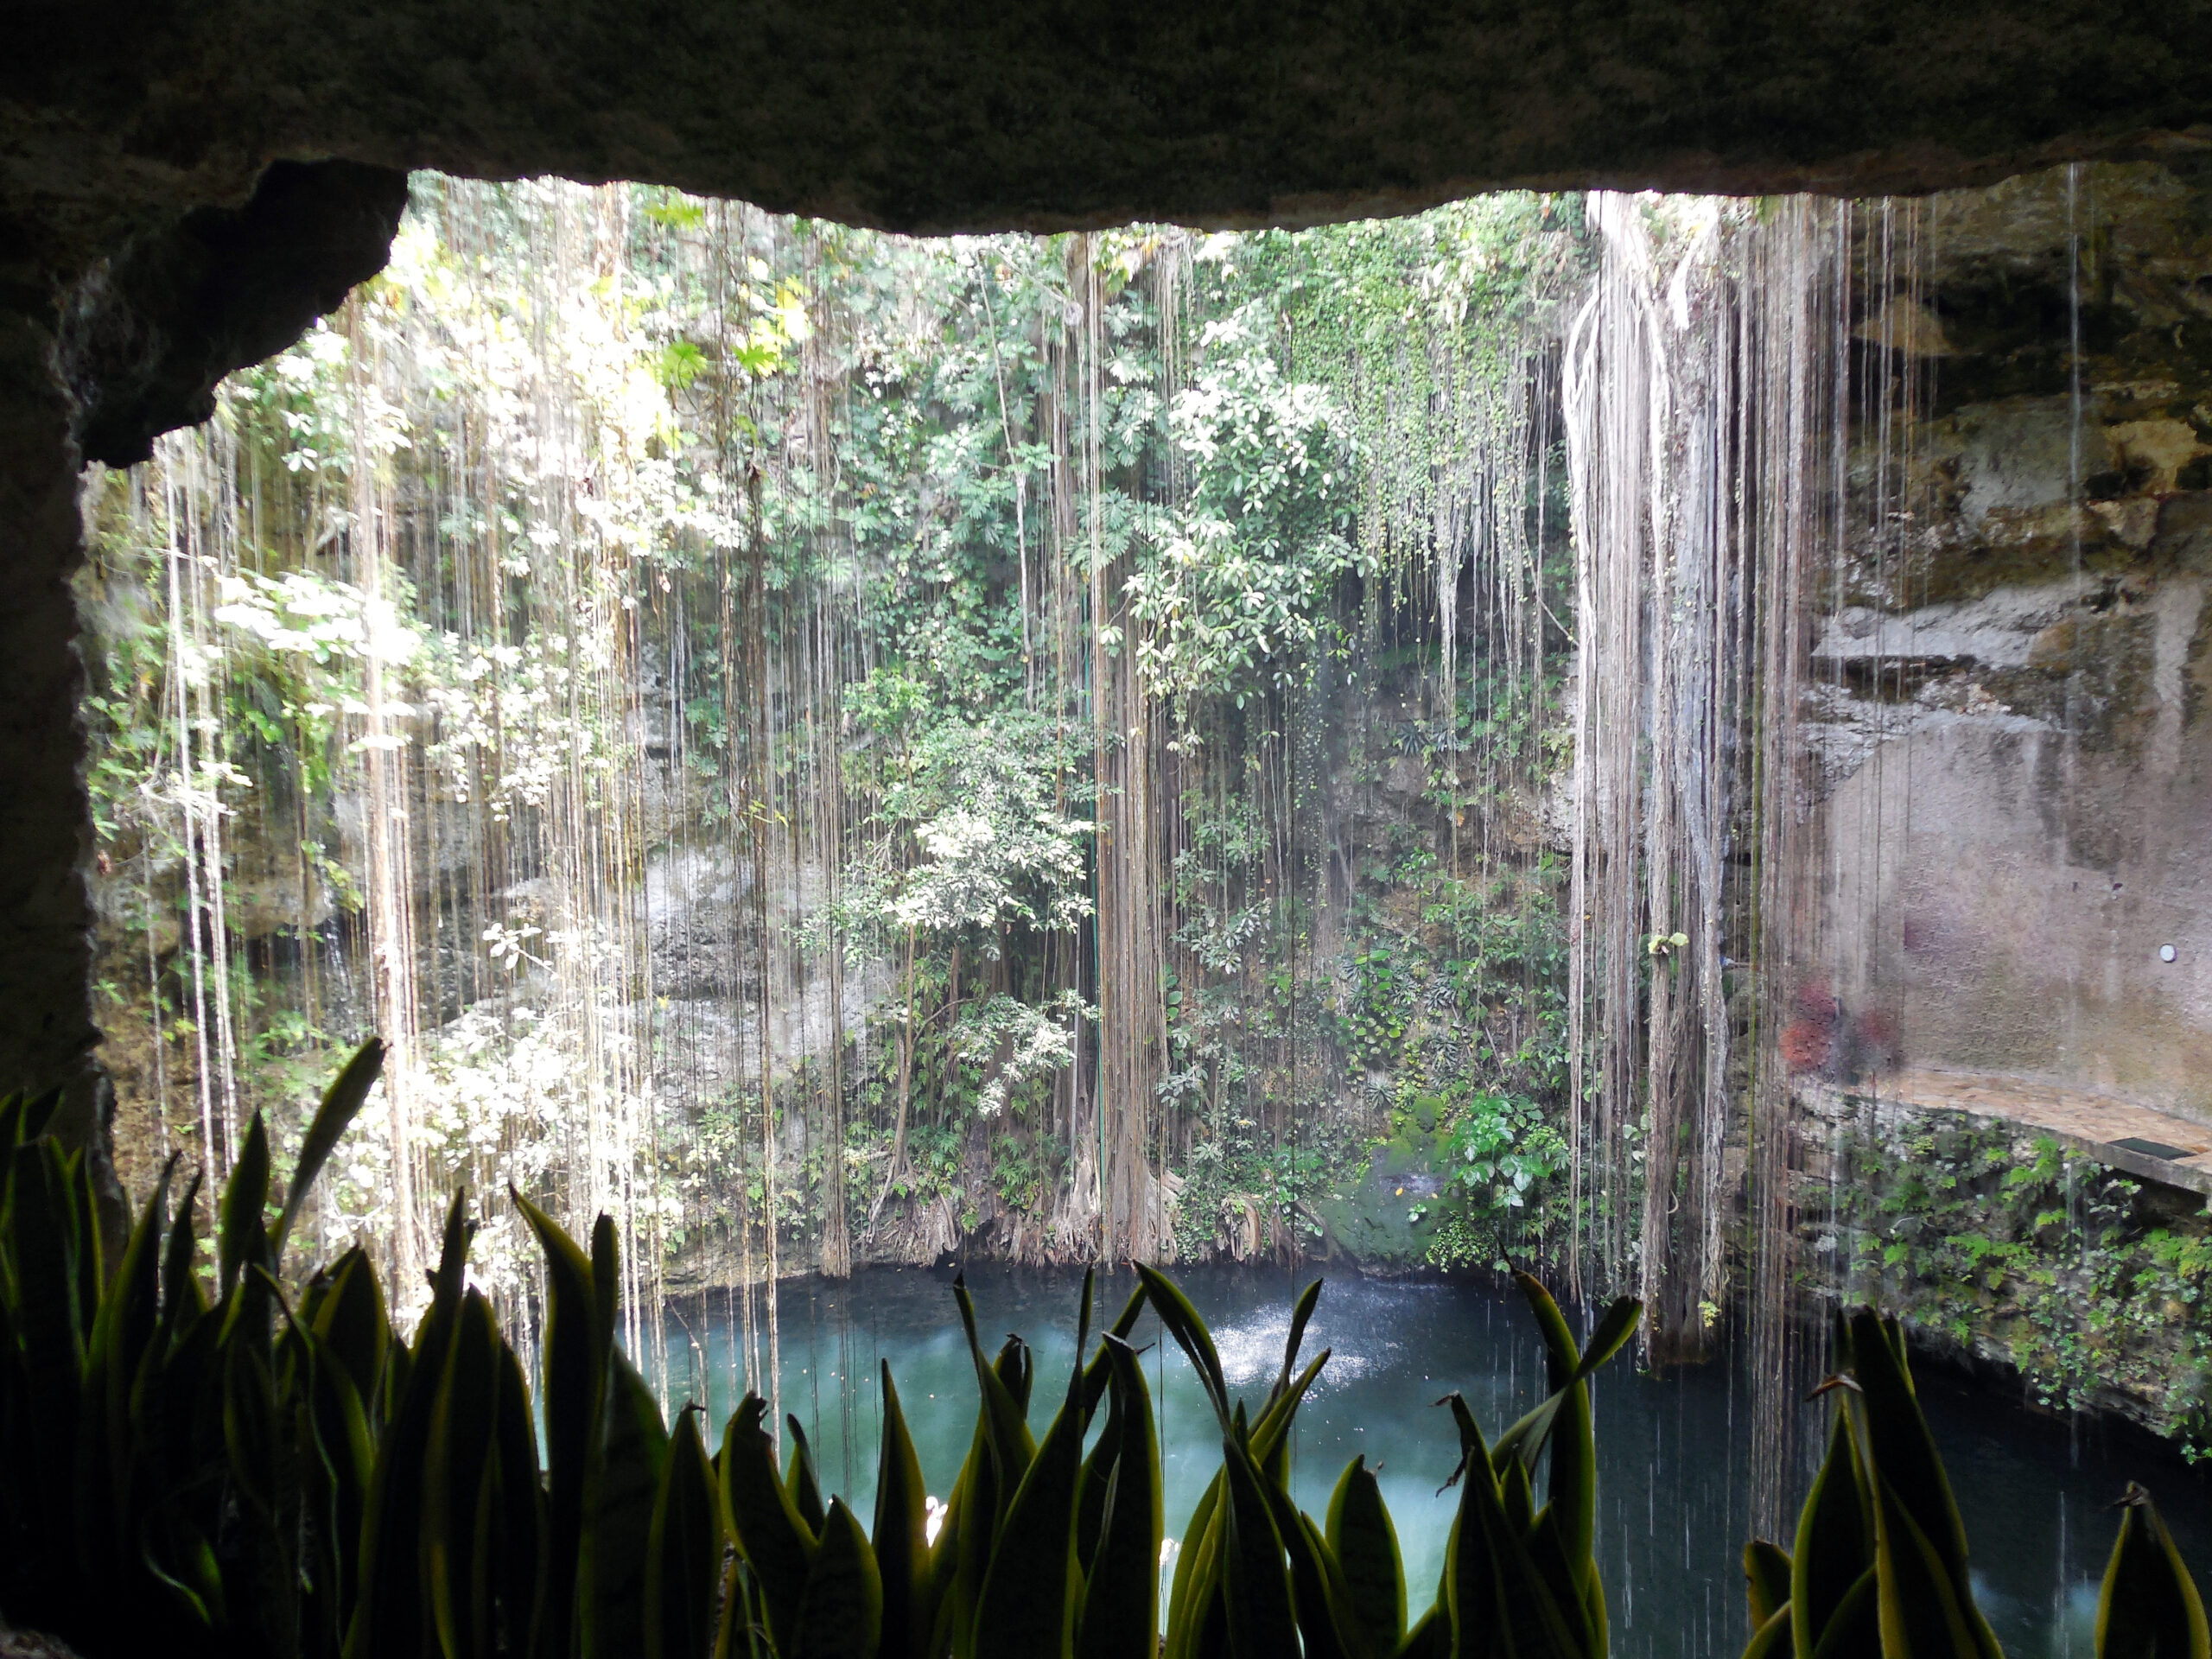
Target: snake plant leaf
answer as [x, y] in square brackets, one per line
[1016, 1367]
[1097, 1373]
[1006, 1430]
[683, 1550]
[1855, 1626]
[1613, 1330]
[457, 1458]
[1572, 1481]
[741, 1630]
[962, 1554]
[1567, 1578]
[1771, 1637]
[1271, 1434]
[1262, 1623]
[197, 1579]
[1196, 1578]
[1921, 1609]
[1901, 1452]
[574, 1376]
[1026, 1603]
[2148, 1607]
[774, 1541]
[342, 1466]
[1094, 1487]
[1119, 1618]
[241, 1238]
[350, 1321]
[1365, 1543]
[1430, 1638]
[621, 1484]
[901, 1537]
[123, 1329]
[1191, 1334]
[1766, 1580]
[341, 1101]
[24, 1118]
[44, 1240]
[1518, 1493]
[520, 1500]
[182, 1299]
[1301, 1313]
[841, 1609]
[1835, 1546]
[1561, 1355]
[389, 1617]
[1498, 1598]
[804, 1485]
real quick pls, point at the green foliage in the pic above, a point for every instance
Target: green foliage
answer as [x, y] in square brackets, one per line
[1240, 587]
[285, 1474]
[1879, 1559]
[1977, 1232]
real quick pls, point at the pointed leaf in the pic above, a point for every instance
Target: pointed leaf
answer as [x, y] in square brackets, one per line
[840, 1610]
[340, 1102]
[684, 1553]
[1366, 1546]
[2148, 1607]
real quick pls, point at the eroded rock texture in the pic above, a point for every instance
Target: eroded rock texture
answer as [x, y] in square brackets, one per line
[2012, 711]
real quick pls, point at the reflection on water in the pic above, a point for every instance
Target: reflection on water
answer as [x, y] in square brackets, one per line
[1673, 1483]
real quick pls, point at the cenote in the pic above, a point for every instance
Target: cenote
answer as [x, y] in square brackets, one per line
[1674, 1478]
[1662, 739]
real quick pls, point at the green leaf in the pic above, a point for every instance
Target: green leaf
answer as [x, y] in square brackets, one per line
[1900, 1450]
[766, 1527]
[182, 1299]
[1611, 1334]
[575, 1370]
[620, 1486]
[1770, 1636]
[1855, 1626]
[805, 1487]
[1006, 1430]
[1366, 1547]
[457, 1462]
[348, 1319]
[340, 1102]
[1026, 1605]
[1301, 1313]
[1191, 1334]
[840, 1610]
[522, 1579]
[1197, 1570]
[1835, 1545]
[389, 1617]
[1921, 1612]
[684, 1552]
[1119, 1615]
[901, 1535]
[243, 1238]
[1263, 1623]
[2148, 1607]
[1766, 1580]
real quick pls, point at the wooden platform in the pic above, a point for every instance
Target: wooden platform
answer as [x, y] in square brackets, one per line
[2141, 1140]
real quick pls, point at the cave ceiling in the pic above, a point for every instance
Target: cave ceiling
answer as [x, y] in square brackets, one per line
[133, 133]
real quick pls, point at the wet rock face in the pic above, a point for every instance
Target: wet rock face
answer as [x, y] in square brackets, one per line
[2013, 713]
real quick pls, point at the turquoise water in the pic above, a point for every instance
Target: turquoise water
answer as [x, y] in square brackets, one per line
[1674, 1487]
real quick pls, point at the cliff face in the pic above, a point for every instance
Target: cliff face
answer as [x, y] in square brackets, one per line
[2012, 757]
[2012, 727]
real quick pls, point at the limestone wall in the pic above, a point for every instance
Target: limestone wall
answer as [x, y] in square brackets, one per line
[2011, 744]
